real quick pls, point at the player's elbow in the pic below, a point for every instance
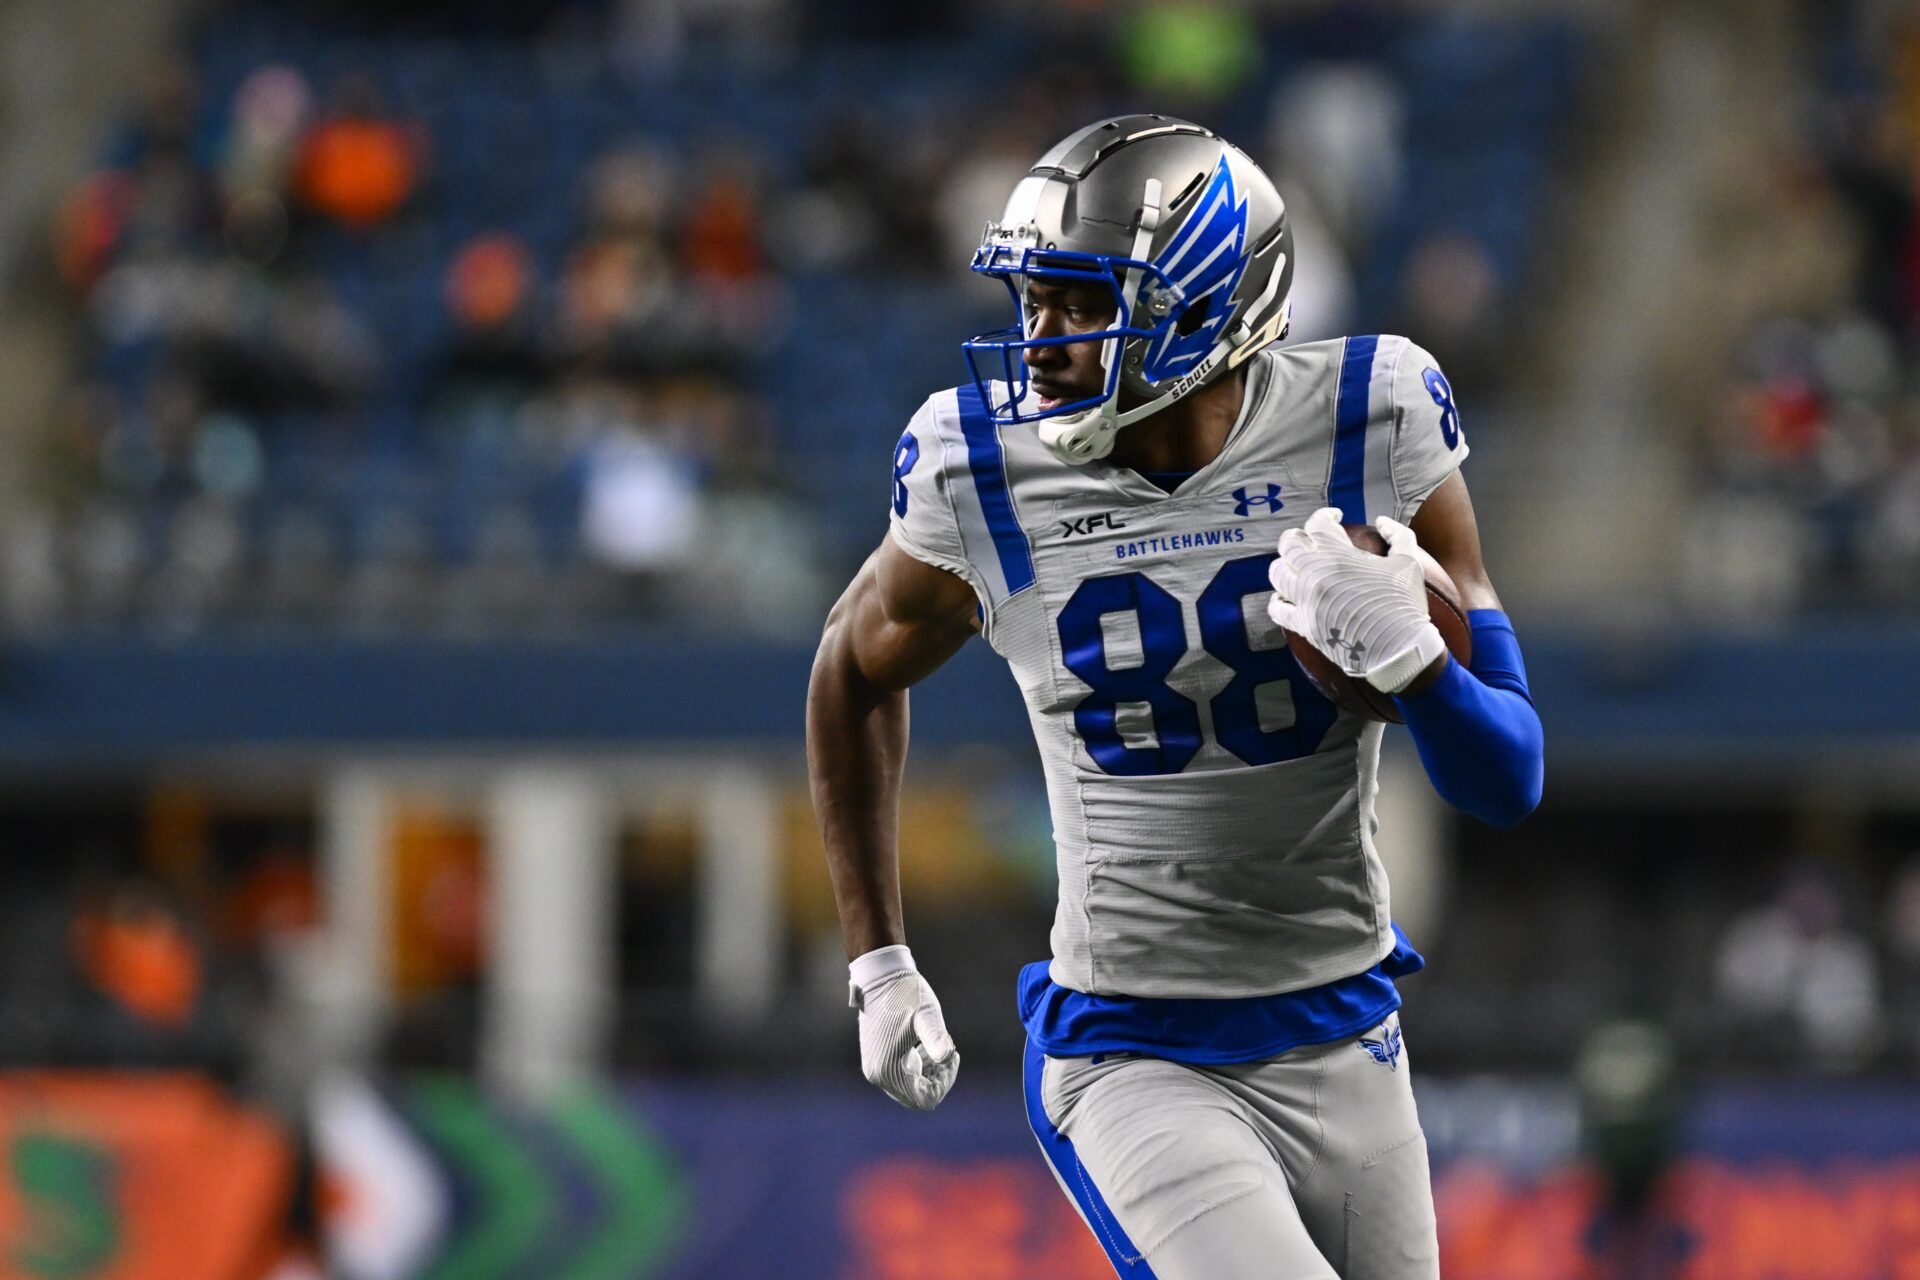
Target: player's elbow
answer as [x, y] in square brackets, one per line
[1513, 807]
[1483, 748]
[1515, 782]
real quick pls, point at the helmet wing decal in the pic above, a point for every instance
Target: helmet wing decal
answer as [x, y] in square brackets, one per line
[1218, 217]
[1215, 230]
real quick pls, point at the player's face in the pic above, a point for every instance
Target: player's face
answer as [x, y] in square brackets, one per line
[1070, 370]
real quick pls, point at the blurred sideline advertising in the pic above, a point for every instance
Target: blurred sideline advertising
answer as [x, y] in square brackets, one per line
[137, 1177]
[122, 1177]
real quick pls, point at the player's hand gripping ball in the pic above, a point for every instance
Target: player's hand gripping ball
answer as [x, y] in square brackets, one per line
[1365, 610]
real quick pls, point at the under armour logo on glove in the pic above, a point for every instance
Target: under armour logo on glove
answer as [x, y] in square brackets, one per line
[1366, 612]
[1339, 647]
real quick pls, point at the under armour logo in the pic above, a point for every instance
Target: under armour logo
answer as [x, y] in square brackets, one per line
[1333, 644]
[1244, 501]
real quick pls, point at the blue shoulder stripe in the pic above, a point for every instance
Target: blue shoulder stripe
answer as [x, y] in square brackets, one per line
[989, 467]
[1347, 487]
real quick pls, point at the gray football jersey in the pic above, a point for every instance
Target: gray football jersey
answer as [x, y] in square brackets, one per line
[1212, 811]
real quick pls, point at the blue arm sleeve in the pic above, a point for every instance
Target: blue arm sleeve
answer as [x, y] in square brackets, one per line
[1478, 733]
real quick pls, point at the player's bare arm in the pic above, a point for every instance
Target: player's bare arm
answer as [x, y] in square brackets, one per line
[1447, 531]
[896, 623]
[1446, 528]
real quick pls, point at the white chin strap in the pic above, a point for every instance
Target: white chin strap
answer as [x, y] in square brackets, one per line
[1088, 435]
[1080, 437]
[1085, 436]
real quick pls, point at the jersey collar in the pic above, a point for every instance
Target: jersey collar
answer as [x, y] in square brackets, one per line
[1138, 489]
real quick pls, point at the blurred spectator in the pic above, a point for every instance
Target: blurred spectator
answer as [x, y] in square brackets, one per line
[1452, 291]
[501, 583]
[487, 282]
[89, 227]
[299, 573]
[1335, 132]
[1323, 292]
[358, 165]
[109, 554]
[197, 581]
[1903, 952]
[642, 505]
[836, 217]
[720, 239]
[618, 290]
[1629, 1087]
[729, 283]
[491, 297]
[1815, 436]
[1794, 965]
[976, 187]
[136, 951]
[270, 113]
[391, 584]
[164, 118]
[33, 590]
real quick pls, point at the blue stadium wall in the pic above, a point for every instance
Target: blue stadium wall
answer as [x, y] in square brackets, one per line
[1663, 700]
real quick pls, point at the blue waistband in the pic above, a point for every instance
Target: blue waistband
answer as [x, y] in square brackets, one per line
[1072, 1024]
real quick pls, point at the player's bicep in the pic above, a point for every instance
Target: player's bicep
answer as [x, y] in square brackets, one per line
[900, 619]
[1447, 530]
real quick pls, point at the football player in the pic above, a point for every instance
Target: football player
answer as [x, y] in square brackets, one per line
[1215, 1069]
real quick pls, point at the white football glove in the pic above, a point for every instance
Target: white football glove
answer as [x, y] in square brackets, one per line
[904, 1045]
[1366, 612]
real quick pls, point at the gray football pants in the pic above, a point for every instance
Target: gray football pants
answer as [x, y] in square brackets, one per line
[1308, 1166]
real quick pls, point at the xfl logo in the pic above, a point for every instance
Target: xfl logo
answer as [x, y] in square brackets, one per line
[1087, 524]
[1245, 502]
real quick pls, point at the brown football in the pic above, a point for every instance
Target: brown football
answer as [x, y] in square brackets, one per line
[1357, 696]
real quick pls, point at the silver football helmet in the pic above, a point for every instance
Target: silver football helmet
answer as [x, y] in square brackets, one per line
[1189, 235]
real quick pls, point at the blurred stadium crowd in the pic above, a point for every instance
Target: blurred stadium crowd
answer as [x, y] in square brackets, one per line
[1810, 447]
[440, 327]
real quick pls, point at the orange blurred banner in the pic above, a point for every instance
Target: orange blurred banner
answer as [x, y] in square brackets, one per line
[125, 1176]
